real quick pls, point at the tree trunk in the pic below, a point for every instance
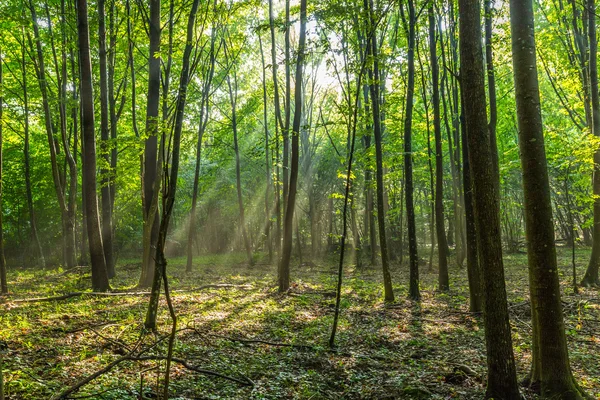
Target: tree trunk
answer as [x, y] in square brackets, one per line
[3, 281]
[278, 125]
[34, 237]
[443, 279]
[170, 188]
[151, 184]
[591, 277]
[105, 145]
[502, 377]
[408, 168]
[204, 114]
[286, 253]
[267, 160]
[99, 273]
[473, 270]
[550, 364]
[233, 93]
[43, 84]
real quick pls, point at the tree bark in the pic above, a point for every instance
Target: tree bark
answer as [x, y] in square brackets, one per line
[204, 114]
[34, 237]
[591, 277]
[443, 279]
[99, 273]
[408, 167]
[286, 252]
[502, 377]
[105, 172]
[3, 280]
[151, 184]
[551, 368]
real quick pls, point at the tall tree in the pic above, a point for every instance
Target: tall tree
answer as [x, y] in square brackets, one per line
[34, 235]
[3, 281]
[203, 122]
[502, 376]
[278, 126]
[106, 203]
[286, 252]
[170, 187]
[151, 183]
[99, 273]
[591, 276]
[550, 363]
[408, 166]
[233, 97]
[443, 279]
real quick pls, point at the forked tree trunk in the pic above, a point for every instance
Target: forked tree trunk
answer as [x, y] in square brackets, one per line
[168, 197]
[502, 376]
[99, 273]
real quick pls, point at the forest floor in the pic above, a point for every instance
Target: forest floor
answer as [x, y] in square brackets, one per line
[402, 351]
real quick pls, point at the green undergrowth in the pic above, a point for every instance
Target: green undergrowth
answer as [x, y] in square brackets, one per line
[405, 350]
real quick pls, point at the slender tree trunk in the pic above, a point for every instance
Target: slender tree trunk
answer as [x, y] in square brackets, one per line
[105, 145]
[204, 114]
[286, 253]
[99, 273]
[370, 204]
[3, 280]
[267, 159]
[151, 184]
[170, 188]
[52, 143]
[502, 377]
[408, 168]
[443, 279]
[34, 237]
[591, 277]
[278, 125]
[238, 178]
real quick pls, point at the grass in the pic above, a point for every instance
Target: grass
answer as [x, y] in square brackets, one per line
[407, 351]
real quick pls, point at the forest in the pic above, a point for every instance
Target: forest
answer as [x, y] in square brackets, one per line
[299, 199]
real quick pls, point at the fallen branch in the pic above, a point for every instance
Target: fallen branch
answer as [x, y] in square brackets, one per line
[117, 294]
[260, 341]
[130, 357]
[246, 382]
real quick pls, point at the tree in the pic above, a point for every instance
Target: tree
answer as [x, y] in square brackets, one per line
[107, 226]
[35, 239]
[502, 377]
[408, 165]
[439, 157]
[3, 281]
[99, 273]
[550, 364]
[286, 252]
[591, 276]
[151, 183]
[233, 96]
